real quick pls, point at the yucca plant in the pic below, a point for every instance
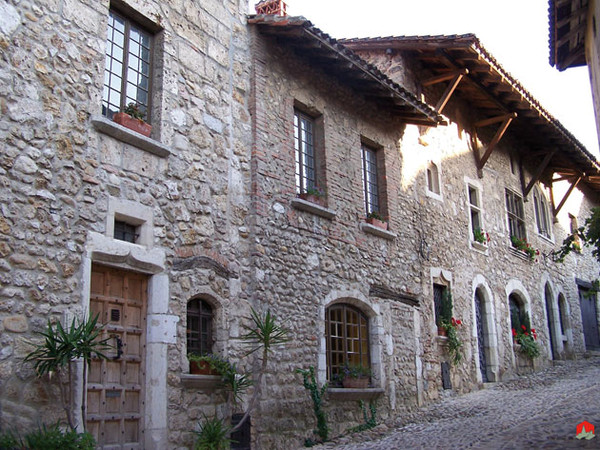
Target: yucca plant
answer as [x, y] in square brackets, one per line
[213, 435]
[61, 347]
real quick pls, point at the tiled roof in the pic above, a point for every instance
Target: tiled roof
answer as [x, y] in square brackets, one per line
[324, 51]
[493, 91]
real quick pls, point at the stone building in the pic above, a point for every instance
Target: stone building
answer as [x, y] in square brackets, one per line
[173, 238]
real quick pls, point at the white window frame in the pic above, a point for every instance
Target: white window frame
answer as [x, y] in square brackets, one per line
[436, 180]
[542, 213]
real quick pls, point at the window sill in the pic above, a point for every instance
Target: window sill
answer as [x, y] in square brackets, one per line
[207, 382]
[313, 208]
[376, 231]
[123, 134]
[479, 246]
[545, 238]
[519, 254]
[354, 394]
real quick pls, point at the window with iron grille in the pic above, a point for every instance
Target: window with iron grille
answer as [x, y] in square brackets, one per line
[347, 335]
[199, 327]
[370, 180]
[516, 216]
[304, 145]
[127, 72]
[125, 232]
[541, 213]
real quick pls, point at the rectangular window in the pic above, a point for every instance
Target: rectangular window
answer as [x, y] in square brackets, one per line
[127, 72]
[126, 232]
[516, 216]
[370, 180]
[438, 295]
[304, 145]
[475, 210]
[541, 214]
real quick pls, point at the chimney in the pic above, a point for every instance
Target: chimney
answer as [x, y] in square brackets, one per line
[276, 7]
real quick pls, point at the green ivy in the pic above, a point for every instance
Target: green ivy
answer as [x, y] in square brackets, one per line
[316, 394]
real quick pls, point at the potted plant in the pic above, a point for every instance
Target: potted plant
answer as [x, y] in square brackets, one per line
[355, 376]
[375, 219]
[203, 364]
[524, 246]
[313, 195]
[133, 118]
[480, 236]
[524, 336]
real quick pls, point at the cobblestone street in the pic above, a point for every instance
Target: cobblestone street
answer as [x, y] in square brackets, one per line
[540, 410]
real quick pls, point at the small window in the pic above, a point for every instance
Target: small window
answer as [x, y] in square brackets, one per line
[433, 178]
[126, 232]
[541, 213]
[347, 335]
[514, 165]
[370, 180]
[517, 313]
[439, 291]
[516, 216]
[574, 227]
[304, 145]
[127, 72]
[199, 327]
[475, 210]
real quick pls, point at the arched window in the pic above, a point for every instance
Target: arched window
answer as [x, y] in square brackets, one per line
[541, 213]
[433, 178]
[199, 327]
[517, 313]
[347, 333]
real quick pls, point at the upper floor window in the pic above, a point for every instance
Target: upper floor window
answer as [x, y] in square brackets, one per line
[347, 335]
[370, 180]
[199, 327]
[127, 73]
[516, 216]
[475, 211]
[433, 178]
[440, 291]
[304, 145]
[542, 218]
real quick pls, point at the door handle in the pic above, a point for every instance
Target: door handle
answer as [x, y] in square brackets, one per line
[119, 347]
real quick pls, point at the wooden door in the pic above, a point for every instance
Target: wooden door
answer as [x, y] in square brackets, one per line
[481, 342]
[115, 387]
[589, 319]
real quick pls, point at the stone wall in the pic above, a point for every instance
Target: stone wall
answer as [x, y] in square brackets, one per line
[215, 190]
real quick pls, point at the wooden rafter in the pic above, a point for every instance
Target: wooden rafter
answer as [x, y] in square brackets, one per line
[506, 120]
[567, 194]
[538, 173]
[456, 76]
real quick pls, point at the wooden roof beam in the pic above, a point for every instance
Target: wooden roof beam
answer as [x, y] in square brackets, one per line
[567, 194]
[538, 173]
[567, 36]
[441, 104]
[506, 120]
[444, 77]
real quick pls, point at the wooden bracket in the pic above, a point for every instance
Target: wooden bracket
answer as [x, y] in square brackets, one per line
[506, 120]
[568, 193]
[456, 76]
[538, 173]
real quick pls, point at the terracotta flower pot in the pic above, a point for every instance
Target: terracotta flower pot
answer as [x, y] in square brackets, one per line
[201, 368]
[137, 125]
[442, 331]
[316, 199]
[377, 223]
[355, 383]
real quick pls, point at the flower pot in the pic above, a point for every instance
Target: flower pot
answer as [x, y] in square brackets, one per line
[137, 125]
[201, 368]
[312, 198]
[442, 331]
[355, 383]
[377, 223]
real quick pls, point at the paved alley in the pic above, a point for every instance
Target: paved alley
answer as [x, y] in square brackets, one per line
[540, 410]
